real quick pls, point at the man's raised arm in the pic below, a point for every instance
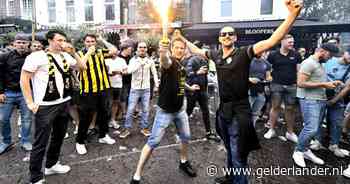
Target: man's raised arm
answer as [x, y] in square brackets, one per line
[294, 8]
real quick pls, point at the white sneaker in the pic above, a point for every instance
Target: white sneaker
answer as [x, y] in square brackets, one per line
[42, 181]
[345, 152]
[292, 137]
[336, 150]
[346, 172]
[106, 140]
[267, 125]
[57, 169]
[81, 149]
[298, 158]
[75, 130]
[19, 121]
[315, 145]
[114, 124]
[313, 158]
[270, 134]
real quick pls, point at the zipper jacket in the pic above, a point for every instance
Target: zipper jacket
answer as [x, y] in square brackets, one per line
[141, 70]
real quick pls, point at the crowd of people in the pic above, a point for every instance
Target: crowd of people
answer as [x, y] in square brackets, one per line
[102, 88]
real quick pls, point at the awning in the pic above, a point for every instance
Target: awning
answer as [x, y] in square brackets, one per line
[266, 27]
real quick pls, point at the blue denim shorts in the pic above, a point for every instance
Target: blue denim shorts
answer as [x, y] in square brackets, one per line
[287, 93]
[162, 121]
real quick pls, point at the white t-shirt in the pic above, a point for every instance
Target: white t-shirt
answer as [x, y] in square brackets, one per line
[117, 64]
[38, 63]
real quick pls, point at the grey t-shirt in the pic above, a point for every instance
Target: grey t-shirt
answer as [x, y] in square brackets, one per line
[314, 69]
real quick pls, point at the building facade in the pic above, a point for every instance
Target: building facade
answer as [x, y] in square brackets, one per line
[242, 10]
[10, 8]
[77, 12]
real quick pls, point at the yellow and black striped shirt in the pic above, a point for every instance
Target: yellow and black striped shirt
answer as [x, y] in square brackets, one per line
[94, 79]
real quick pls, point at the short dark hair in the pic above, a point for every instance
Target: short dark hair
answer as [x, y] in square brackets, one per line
[51, 34]
[287, 36]
[125, 46]
[89, 35]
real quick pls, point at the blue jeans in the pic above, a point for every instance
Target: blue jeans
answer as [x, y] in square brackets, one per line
[335, 118]
[256, 104]
[163, 119]
[313, 112]
[228, 131]
[134, 97]
[15, 98]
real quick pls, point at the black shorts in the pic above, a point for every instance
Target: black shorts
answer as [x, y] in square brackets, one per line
[116, 92]
[125, 93]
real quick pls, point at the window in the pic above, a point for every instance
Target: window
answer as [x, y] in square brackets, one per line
[70, 9]
[89, 10]
[110, 10]
[226, 8]
[52, 10]
[12, 8]
[27, 9]
[266, 7]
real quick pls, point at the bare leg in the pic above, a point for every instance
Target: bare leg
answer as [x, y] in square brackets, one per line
[145, 155]
[290, 117]
[93, 121]
[73, 112]
[183, 151]
[346, 123]
[123, 109]
[115, 109]
[274, 113]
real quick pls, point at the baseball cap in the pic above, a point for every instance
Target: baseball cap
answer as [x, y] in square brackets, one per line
[330, 47]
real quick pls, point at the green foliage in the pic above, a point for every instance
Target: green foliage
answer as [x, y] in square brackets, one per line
[327, 10]
[7, 38]
[24, 25]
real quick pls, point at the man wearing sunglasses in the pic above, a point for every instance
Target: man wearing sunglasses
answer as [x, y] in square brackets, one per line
[234, 123]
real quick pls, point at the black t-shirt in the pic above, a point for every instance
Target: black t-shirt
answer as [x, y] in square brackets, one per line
[233, 73]
[11, 64]
[172, 87]
[284, 68]
[126, 78]
[192, 65]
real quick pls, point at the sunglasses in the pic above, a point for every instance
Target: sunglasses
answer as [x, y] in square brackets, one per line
[142, 47]
[223, 34]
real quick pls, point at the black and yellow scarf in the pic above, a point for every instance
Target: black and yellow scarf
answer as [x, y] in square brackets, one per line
[52, 92]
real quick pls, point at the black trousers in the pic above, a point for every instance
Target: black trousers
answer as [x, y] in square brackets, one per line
[49, 120]
[202, 98]
[100, 103]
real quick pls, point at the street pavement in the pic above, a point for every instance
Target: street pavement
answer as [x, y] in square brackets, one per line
[105, 164]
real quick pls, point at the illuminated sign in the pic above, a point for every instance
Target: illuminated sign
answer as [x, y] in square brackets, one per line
[259, 31]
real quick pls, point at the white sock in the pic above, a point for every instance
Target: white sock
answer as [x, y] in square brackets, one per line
[138, 178]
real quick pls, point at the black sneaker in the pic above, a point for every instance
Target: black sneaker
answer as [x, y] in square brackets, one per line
[224, 180]
[133, 181]
[212, 136]
[187, 168]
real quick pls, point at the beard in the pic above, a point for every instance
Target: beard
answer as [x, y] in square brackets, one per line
[228, 45]
[323, 60]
